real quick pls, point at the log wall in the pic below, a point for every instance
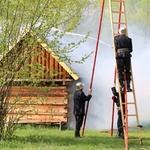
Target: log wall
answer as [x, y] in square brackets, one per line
[39, 105]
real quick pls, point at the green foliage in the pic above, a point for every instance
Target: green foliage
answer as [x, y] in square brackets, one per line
[43, 17]
[137, 11]
[40, 17]
[143, 13]
[31, 138]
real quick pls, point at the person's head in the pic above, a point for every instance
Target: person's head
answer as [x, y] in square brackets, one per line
[79, 86]
[123, 30]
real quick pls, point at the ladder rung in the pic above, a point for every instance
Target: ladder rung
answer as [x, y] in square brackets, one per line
[117, 11]
[117, 0]
[119, 23]
[129, 103]
[132, 126]
[132, 115]
[135, 139]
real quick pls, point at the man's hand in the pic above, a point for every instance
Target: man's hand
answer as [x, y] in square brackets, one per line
[90, 91]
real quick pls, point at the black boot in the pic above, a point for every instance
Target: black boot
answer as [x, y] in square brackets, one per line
[121, 85]
[120, 135]
[128, 86]
[77, 133]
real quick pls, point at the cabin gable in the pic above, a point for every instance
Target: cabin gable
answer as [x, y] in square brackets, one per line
[34, 62]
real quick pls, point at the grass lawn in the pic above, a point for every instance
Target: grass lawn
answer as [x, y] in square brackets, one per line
[48, 138]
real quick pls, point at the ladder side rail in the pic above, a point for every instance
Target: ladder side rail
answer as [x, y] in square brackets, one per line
[134, 96]
[115, 72]
[122, 8]
[125, 18]
[136, 109]
[112, 26]
[119, 15]
[125, 129]
[126, 114]
[112, 119]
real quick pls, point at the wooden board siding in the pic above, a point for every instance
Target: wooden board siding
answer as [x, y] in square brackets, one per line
[39, 105]
[39, 91]
[42, 119]
[47, 67]
[38, 100]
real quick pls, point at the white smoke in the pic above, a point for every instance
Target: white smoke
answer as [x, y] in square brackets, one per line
[99, 112]
[100, 106]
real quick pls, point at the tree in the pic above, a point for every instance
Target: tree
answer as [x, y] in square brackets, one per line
[138, 13]
[39, 17]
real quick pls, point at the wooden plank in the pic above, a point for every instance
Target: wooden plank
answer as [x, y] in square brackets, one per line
[43, 63]
[38, 113]
[64, 74]
[47, 64]
[39, 62]
[42, 80]
[38, 91]
[41, 118]
[34, 93]
[38, 100]
[56, 69]
[60, 71]
[51, 66]
[18, 113]
[38, 109]
[33, 62]
[49, 88]
[31, 113]
[51, 108]
[23, 121]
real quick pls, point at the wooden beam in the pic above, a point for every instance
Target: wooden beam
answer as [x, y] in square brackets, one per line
[38, 100]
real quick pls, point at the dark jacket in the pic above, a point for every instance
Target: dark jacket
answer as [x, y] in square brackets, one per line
[123, 41]
[116, 99]
[79, 102]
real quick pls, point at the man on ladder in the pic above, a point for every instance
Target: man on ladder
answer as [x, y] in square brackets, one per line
[123, 47]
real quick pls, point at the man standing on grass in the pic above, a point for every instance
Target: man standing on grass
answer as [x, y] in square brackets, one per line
[79, 106]
[120, 133]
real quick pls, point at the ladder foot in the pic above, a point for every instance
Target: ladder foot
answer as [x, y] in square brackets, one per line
[141, 142]
[139, 126]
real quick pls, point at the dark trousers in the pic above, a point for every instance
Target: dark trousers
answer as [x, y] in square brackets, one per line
[79, 121]
[124, 64]
[119, 123]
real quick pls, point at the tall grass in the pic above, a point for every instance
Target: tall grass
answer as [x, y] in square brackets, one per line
[48, 138]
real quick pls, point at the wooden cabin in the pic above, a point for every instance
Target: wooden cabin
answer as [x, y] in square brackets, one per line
[39, 91]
